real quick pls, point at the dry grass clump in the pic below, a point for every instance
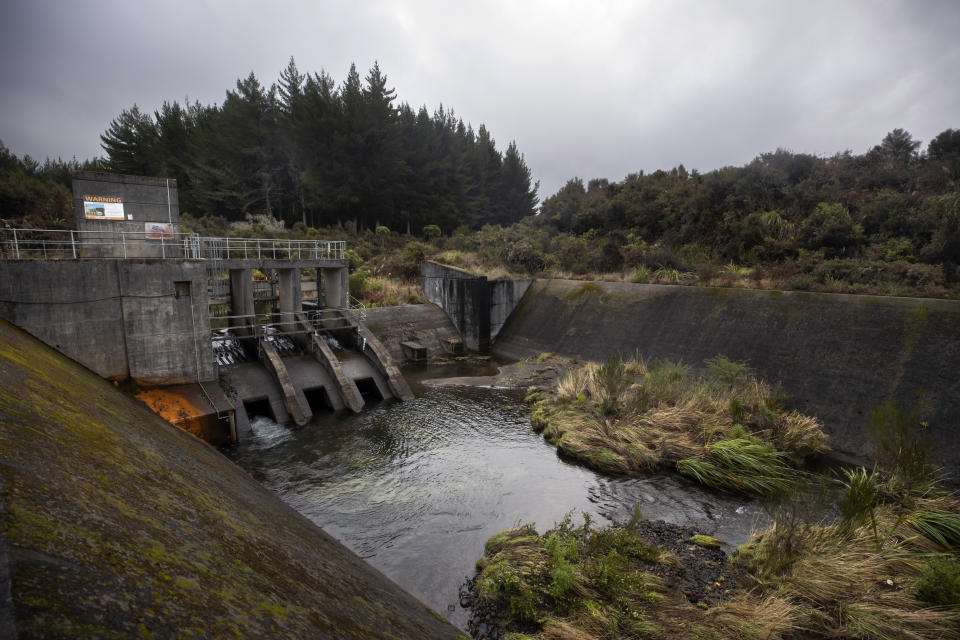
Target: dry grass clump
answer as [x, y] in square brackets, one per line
[724, 428]
[888, 569]
[379, 291]
[841, 582]
[474, 263]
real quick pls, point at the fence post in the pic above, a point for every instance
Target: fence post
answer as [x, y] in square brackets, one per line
[73, 244]
[123, 241]
[16, 244]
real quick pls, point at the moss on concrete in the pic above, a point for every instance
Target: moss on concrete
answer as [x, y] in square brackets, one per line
[119, 525]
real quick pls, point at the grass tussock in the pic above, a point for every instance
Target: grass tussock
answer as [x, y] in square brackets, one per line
[724, 428]
[867, 581]
[887, 568]
[884, 565]
[580, 582]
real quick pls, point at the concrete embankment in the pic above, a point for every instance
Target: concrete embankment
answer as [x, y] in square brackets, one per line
[425, 324]
[837, 356]
[477, 307]
[116, 524]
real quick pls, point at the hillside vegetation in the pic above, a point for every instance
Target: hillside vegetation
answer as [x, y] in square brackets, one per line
[307, 157]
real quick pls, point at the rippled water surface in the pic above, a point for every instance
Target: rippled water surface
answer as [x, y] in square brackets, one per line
[416, 488]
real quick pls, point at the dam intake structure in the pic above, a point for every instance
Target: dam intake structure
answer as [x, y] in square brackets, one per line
[132, 297]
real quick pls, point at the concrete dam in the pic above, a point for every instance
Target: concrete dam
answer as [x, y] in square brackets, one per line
[116, 523]
[838, 357]
[133, 298]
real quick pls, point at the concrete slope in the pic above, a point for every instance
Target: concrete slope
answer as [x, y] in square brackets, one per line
[423, 323]
[116, 524]
[837, 356]
[293, 398]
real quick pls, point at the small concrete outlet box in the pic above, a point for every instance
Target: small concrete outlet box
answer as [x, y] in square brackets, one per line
[454, 346]
[414, 351]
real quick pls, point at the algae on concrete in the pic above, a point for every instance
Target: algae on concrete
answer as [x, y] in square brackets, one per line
[119, 525]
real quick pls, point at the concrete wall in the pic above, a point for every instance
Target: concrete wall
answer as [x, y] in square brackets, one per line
[423, 323]
[144, 200]
[476, 307]
[837, 356]
[119, 525]
[504, 296]
[121, 319]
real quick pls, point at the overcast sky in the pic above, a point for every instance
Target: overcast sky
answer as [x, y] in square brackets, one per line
[589, 88]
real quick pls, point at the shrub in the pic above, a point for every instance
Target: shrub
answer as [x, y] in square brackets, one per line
[939, 582]
[900, 446]
[610, 381]
[431, 231]
[642, 274]
[724, 372]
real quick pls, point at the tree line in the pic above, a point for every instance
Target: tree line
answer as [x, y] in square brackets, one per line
[306, 150]
[892, 203]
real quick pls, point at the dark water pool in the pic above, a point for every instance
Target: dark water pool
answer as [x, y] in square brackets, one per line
[416, 488]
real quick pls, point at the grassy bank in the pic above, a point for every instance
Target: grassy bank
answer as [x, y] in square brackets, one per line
[867, 554]
[887, 569]
[725, 428]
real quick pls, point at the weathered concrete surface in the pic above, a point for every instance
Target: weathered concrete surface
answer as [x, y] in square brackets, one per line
[423, 323]
[352, 334]
[307, 374]
[293, 398]
[117, 524]
[251, 382]
[144, 200]
[120, 318]
[504, 297]
[201, 410]
[837, 356]
[381, 360]
[477, 307]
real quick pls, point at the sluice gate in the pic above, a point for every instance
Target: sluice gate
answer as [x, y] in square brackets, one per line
[129, 294]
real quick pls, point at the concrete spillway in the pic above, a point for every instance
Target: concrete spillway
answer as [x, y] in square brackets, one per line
[116, 524]
[837, 356]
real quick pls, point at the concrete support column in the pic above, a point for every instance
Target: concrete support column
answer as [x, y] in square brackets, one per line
[289, 297]
[290, 300]
[241, 299]
[336, 292]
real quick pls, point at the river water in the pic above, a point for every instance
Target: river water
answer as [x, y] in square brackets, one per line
[416, 488]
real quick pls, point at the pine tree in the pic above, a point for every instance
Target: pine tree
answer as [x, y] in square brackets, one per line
[131, 143]
[518, 197]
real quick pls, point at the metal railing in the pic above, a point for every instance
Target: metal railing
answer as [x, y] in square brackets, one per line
[59, 244]
[264, 325]
[357, 309]
[70, 244]
[271, 248]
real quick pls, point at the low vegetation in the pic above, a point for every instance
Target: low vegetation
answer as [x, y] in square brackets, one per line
[882, 565]
[725, 428]
[579, 582]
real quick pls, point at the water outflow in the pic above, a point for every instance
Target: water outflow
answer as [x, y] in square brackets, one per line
[417, 487]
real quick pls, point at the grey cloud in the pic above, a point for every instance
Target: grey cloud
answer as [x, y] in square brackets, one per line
[586, 89]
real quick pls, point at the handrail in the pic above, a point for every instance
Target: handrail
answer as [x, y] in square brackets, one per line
[357, 309]
[257, 325]
[66, 244]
